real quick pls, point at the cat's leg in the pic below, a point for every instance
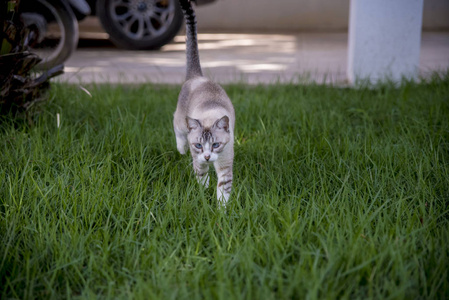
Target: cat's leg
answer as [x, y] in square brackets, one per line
[201, 172]
[181, 141]
[224, 186]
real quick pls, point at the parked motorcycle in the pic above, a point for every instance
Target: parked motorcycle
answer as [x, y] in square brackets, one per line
[131, 24]
[53, 28]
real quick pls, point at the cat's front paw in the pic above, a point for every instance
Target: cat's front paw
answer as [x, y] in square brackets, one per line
[204, 180]
[222, 197]
[182, 150]
[181, 143]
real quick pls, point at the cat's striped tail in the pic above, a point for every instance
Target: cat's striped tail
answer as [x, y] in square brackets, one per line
[193, 59]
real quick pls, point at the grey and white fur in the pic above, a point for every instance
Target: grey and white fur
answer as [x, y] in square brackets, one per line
[204, 119]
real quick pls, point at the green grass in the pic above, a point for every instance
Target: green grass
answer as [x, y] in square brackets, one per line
[338, 193]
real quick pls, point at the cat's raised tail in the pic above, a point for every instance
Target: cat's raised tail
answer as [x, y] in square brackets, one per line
[193, 59]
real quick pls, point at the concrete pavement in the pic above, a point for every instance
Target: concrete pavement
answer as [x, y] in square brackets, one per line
[239, 57]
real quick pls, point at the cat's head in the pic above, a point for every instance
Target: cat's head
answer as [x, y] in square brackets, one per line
[207, 143]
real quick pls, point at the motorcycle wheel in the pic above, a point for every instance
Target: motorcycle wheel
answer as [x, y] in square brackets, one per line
[140, 24]
[62, 34]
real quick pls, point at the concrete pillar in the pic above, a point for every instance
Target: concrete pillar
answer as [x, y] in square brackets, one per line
[384, 39]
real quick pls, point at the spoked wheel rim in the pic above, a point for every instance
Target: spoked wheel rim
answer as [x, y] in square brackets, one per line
[142, 19]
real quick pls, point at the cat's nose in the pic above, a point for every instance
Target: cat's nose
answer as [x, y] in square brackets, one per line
[207, 157]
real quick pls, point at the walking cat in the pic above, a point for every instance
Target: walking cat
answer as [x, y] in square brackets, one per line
[204, 118]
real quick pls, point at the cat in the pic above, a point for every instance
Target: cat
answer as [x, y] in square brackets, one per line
[204, 119]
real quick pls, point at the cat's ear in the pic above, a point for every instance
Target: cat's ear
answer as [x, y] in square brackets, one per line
[222, 123]
[192, 124]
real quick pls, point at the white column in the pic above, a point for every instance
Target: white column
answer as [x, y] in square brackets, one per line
[384, 39]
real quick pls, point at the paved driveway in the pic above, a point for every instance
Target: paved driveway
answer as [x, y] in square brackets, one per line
[249, 58]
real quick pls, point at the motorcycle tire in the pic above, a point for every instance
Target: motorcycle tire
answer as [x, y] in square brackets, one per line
[62, 14]
[145, 25]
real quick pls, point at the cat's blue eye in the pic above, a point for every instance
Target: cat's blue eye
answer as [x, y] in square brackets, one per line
[215, 145]
[198, 146]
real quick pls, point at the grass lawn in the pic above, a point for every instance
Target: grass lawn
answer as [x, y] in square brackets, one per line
[338, 193]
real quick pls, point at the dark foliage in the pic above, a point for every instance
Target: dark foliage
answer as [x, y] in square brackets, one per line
[21, 88]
